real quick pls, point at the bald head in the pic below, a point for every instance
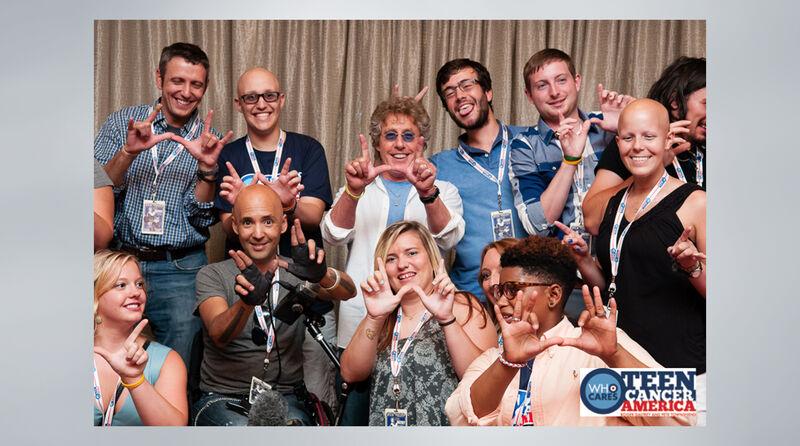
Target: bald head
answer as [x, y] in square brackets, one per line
[257, 195]
[647, 109]
[257, 80]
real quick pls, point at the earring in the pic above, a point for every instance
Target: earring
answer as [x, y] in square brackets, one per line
[98, 320]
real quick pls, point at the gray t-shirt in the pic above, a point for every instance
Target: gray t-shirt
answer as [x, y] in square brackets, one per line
[230, 369]
[101, 179]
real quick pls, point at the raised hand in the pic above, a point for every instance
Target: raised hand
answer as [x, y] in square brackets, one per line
[140, 134]
[379, 299]
[421, 173]
[598, 326]
[130, 359]
[308, 261]
[573, 134]
[287, 185]
[361, 172]
[578, 247]
[439, 302]
[678, 144]
[252, 286]
[684, 252]
[231, 184]
[206, 148]
[611, 105]
[520, 342]
[418, 97]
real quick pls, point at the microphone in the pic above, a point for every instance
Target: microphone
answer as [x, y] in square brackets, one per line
[269, 409]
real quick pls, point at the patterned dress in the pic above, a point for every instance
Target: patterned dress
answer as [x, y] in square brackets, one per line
[427, 379]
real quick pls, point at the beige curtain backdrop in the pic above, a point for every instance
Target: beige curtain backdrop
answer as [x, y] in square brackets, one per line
[334, 73]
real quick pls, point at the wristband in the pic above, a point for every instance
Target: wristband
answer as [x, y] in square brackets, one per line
[431, 198]
[335, 283]
[134, 385]
[572, 160]
[291, 209]
[209, 176]
[445, 324]
[352, 195]
[507, 363]
[691, 273]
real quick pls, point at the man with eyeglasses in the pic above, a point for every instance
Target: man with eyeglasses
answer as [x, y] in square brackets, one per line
[246, 347]
[478, 167]
[162, 159]
[266, 150]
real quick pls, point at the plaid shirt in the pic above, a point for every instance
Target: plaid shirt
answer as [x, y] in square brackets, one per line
[187, 220]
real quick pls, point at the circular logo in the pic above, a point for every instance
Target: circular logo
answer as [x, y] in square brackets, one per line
[602, 391]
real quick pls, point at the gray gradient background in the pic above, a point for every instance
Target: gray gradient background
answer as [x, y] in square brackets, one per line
[46, 122]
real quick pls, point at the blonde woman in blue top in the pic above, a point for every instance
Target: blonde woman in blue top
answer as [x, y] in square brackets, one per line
[136, 381]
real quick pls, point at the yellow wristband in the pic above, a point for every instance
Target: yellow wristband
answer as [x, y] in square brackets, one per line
[352, 195]
[572, 163]
[134, 385]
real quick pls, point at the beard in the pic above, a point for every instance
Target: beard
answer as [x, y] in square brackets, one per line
[480, 121]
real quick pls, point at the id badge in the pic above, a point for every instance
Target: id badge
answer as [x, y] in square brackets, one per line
[395, 417]
[584, 235]
[502, 226]
[256, 387]
[153, 214]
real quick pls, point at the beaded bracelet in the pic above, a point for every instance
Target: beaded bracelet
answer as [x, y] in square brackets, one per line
[134, 385]
[507, 363]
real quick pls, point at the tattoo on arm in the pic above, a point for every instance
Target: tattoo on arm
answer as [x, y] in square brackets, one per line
[230, 331]
[370, 333]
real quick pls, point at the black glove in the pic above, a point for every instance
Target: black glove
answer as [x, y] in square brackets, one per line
[262, 284]
[303, 267]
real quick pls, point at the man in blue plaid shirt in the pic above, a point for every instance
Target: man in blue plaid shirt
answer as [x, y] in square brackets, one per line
[162, 159]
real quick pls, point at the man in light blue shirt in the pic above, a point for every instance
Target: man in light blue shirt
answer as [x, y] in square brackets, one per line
[479, 167]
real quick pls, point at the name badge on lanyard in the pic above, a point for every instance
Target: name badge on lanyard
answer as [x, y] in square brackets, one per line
[268, 329]
[154, 212]
[502, 219]
[397, 416]
[522, 414]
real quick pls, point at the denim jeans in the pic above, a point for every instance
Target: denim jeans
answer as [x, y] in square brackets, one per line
[212, 410]
[356, 406]
[171, 300]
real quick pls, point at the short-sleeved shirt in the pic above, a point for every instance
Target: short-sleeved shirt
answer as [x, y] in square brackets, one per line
[612, 161]
[101, 178]
[479, 199]
[535, 159]
[229, 370]
[308, 159]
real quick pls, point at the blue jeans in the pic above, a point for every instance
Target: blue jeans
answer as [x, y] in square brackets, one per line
[356, 406]
[212, 410]
[171, 300]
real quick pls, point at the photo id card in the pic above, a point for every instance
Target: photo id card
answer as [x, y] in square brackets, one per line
[584, 235]
[395, 417]
[257, 386]
[153, 214]
[502, 226]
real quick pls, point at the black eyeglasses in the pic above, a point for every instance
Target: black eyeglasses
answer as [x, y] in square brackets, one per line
[252, 98]
[391, 135]
[465, 86]
[510, 289]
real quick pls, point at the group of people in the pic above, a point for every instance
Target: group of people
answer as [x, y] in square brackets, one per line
[488, 274]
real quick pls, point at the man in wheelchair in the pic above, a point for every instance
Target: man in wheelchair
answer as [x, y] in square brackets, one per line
[246, 350]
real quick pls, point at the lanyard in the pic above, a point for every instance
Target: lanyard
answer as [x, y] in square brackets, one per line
[698, 166]
[615, 246]
[497, 180]
[175, 152]
[275, 164]
[525, 376]
[261, 316]
[395, 358]
[108, 416]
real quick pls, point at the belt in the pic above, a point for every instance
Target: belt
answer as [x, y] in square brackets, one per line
[154, 255]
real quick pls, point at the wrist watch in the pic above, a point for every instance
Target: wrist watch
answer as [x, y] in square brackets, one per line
[431, 198]
[209, 176]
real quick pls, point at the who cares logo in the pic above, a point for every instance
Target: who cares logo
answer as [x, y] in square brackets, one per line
[637, 392]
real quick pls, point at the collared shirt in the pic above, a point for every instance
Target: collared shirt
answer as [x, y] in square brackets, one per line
[479, 198]
[370, 220]
[187, 220]
[535, 159]
[556, 380]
